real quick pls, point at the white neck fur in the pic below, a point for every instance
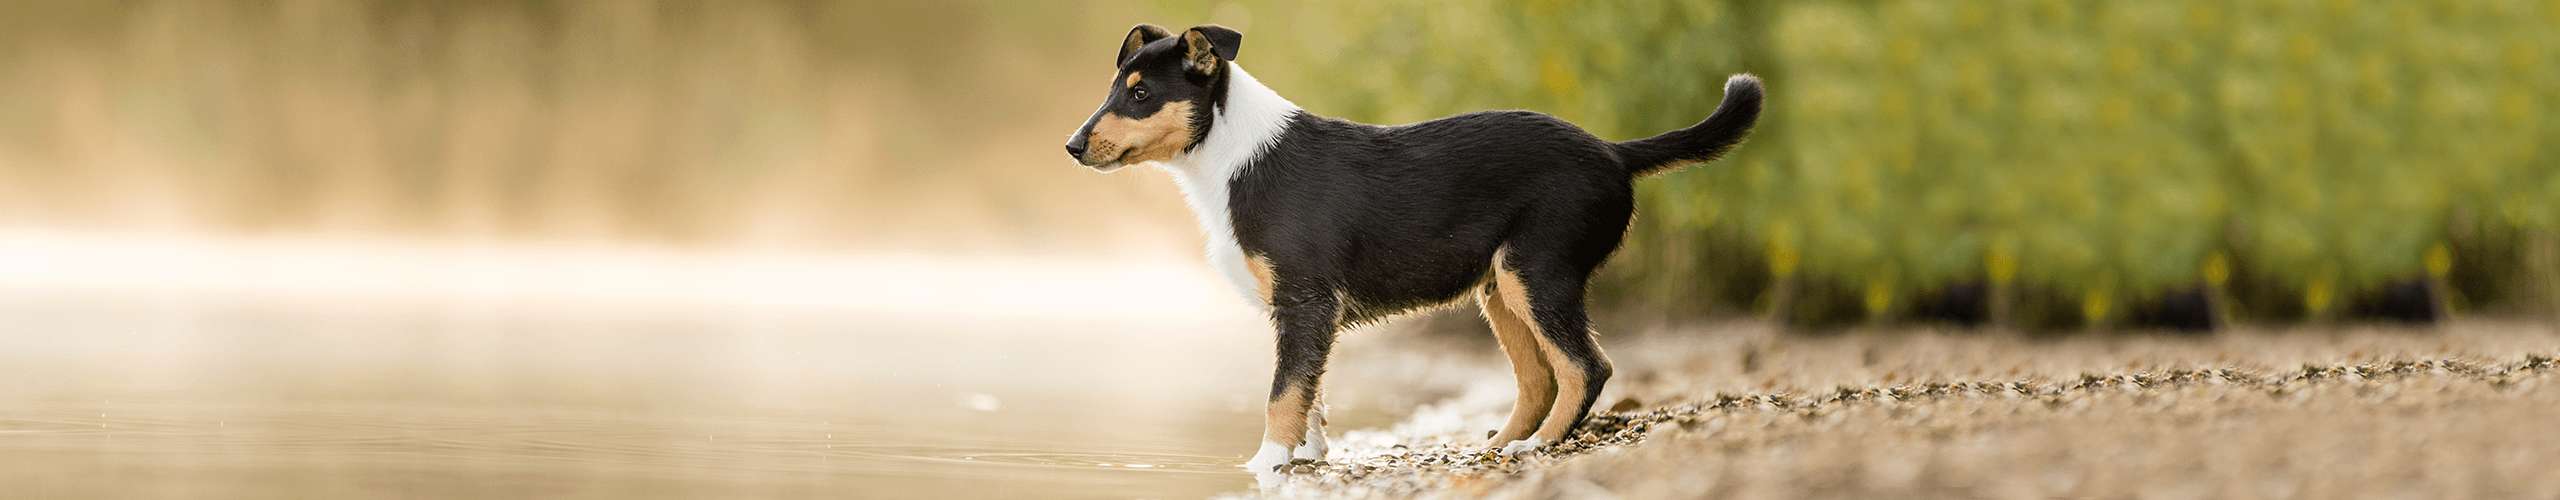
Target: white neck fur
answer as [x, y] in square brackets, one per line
[1252, 118]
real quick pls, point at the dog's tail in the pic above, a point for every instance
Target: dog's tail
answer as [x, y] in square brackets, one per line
[1704, 141]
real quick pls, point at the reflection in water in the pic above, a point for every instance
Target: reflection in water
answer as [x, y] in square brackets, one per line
[139, 368]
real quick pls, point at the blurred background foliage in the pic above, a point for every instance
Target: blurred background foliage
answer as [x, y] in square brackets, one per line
[2036, 163]
[878, 125]
[2043, 163]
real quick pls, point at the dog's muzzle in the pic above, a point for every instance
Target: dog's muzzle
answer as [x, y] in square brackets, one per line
[1083, 153]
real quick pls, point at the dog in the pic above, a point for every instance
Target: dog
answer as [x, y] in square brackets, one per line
[1328, 224]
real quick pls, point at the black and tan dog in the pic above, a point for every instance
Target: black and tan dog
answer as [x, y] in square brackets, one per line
[1329, 223]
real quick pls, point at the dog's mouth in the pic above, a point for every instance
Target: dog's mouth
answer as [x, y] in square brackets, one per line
[1099, 164]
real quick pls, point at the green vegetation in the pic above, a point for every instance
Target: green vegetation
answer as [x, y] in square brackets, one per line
[2077, 159]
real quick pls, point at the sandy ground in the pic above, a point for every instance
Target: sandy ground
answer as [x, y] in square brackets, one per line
[1739, 411]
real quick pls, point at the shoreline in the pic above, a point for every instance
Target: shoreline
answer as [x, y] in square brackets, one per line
[1739, 410]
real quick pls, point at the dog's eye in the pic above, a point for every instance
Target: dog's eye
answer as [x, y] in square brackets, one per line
[1138, 94]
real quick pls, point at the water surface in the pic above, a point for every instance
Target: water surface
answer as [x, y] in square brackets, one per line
[319, 370]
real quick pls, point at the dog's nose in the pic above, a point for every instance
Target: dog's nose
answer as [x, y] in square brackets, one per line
[1075, 150]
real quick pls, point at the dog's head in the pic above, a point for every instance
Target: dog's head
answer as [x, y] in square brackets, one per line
[1163, 95]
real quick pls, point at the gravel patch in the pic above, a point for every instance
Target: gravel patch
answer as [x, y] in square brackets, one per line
[2461, 411]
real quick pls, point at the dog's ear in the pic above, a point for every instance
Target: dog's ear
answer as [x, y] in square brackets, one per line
[1207, 45]
[1138, 37]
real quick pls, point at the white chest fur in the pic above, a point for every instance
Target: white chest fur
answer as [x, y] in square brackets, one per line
[1252, 118]
[1208, 199]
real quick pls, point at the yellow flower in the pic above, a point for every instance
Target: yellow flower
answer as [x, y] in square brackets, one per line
[2002, 262]
[2316, 297]
[2217, 270]
[1879, 295]
[2439, 260]
[2095, 306]
[1782, 250]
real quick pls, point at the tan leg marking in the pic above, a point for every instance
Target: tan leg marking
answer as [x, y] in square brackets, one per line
[1571, 388]
[1261, 269]
[1519, 339]
[1570, 380]
[1285, 421]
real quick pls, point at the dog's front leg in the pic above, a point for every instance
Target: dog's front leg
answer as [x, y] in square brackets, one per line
[1291, 425]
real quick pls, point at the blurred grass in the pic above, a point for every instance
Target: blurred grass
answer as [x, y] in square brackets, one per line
[2080, 159]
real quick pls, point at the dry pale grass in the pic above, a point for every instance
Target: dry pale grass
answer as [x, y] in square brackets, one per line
[2463, 411]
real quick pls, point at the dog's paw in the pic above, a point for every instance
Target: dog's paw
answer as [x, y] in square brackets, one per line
[1524, 446]
[1268, 460]
[1314, 448]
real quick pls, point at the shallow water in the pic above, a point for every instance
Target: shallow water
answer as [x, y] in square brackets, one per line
[190, 384]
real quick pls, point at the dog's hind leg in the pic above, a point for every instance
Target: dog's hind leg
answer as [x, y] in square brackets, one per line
[1314, 446]
[1553, 291]
[1511, 328]
[1306, 320]
[1581, 369]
